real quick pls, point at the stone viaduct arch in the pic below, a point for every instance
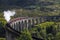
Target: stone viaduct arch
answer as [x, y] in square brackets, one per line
[15, 26]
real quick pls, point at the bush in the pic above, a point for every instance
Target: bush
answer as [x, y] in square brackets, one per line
[25, 35]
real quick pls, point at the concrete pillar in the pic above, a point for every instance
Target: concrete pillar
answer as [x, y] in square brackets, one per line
[45, 19]
[32, 21]
[29, 24]
[13, 25]
[32, 25]
[19, 26]
[16, 26]
[40, 19]
[25, 24]
[37, 22]
[22, 25]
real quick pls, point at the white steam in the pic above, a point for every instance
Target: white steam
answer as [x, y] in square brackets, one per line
[8, 14]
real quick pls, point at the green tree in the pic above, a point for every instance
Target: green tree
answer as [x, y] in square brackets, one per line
[57, 36]
[25, 35]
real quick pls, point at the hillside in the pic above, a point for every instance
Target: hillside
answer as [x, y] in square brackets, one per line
[32, 7]
[29, 8]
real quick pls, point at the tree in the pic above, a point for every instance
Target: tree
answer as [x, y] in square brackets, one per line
[2, 31]
[25, 35]
[57, 36]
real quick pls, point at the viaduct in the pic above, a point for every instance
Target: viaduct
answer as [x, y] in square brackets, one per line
[15, 26]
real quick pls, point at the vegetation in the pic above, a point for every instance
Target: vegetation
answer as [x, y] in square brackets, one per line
[46, 31]
[2, 39]
[33, 8]
[25, 35]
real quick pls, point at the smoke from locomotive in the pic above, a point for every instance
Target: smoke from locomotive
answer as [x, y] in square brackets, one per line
[8, 14]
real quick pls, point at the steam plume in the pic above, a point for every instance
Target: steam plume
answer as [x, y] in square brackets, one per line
[8, 14]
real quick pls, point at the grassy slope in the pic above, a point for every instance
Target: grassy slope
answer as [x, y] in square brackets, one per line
[2, 39]
[41, 7]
